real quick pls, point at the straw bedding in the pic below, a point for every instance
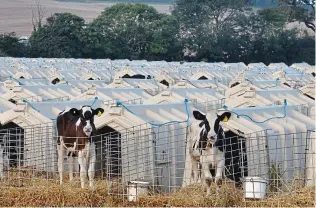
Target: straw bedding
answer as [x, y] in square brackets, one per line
[51, 193]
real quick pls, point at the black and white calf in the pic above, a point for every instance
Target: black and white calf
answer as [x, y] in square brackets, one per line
[206, 148]
[75, 129]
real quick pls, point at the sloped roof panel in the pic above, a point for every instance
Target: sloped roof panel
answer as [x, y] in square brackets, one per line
[52, 109]
[86, 84]
[121, 94]
[179, 94]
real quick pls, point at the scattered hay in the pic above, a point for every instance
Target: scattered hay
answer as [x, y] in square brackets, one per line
[195, 196]
[70, 194]
[56, 195]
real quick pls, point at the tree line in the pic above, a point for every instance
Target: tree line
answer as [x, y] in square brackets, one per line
[196, 30]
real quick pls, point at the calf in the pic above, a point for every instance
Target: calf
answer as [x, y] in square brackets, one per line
[75, 128]
[206, 140]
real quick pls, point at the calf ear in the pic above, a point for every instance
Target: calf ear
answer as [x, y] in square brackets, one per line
[198, 115]
[224, 117]
[98, 111]
[74, 112]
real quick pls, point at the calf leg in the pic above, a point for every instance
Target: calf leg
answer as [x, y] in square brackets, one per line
[71, 166]
[83, 167]
[207, 176]
[60, 161]
[219, 174]
[91, 170]
[195, 169]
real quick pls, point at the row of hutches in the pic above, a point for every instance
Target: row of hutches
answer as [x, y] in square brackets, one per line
[30, 105]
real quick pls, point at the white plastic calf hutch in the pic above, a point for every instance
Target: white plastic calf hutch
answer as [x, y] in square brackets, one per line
[150, 152]
[166, 78]
[29, 133]
[253, 98]
[285, 144]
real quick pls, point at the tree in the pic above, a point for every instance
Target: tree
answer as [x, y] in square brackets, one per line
[38, 15]
[166, 44]
[302, 11]
[254, 38]
[202, 20]
[60, 37]
[10, 46]
[134, 31]
[94, 44]
[302, 49]
[273, 18]
[3, 54]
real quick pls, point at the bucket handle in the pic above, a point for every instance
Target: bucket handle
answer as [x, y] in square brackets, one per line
[253, 187]
[251, 180]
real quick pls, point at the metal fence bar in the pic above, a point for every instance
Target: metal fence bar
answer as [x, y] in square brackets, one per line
[157, 155]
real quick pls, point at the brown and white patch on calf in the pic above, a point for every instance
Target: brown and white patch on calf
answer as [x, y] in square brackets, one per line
[75, 129]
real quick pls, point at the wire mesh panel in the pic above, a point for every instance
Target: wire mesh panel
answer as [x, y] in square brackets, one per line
[12, 141]
[304, 109]
[111, 160]
[30, 153]
[210, 106]
[133, 101]
[158, 156]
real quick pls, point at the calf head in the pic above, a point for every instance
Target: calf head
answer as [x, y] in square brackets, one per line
[211, 130]
[85, 117]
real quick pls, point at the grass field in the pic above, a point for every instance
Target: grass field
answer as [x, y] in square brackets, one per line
[16, 15]
[133, 1]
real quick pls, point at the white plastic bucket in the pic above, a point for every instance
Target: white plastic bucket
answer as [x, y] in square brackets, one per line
[136, 188]
[254, 187]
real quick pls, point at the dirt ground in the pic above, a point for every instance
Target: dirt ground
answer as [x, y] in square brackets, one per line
[16, 15]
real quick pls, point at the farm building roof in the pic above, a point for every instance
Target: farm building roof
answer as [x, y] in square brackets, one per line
[202, 84]
[297, 121]
[193, 94]
[259, 65]
[272, 97]
[302, 66]
[150, 85]
[119, 117]
[248, 86]
[17, 82]
[46, 92]
[51, 109]
[277, 66]
[86, 84]
[110, 95]
[309, 90]
[240, 66]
